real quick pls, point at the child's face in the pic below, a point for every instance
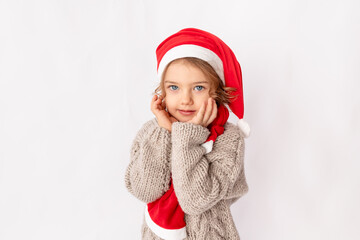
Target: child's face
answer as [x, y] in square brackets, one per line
[186, 89]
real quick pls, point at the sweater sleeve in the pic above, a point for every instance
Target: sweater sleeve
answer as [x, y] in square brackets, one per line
[147, 176]
[201, 180]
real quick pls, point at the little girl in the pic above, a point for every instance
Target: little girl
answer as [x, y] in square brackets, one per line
[187, 163]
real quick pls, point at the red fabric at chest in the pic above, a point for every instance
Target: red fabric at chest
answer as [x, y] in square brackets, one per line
[166, 211]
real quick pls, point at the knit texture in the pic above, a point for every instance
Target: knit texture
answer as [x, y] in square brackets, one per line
[205, 184]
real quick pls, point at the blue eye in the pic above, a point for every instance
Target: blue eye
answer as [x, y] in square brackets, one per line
[197, 88]
[173, 87]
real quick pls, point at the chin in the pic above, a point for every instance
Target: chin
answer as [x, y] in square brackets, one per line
[183, 119]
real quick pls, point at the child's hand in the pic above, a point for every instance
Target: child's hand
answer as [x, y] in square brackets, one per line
[164, 119]
[207, 113]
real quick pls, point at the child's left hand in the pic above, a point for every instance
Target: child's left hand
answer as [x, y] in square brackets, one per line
[206, 114]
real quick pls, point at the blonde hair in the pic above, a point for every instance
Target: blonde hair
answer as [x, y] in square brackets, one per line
[218, 91]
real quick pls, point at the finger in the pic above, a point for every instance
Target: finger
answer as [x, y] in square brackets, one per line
[155, 104]
[153, 99]
[213, 114]
[208, 111]
[200, 115]
[163, 104]
[152, 105]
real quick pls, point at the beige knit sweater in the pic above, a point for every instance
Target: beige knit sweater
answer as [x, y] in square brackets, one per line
[205, 184]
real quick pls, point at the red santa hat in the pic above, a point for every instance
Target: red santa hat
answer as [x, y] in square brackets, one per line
[192, 42]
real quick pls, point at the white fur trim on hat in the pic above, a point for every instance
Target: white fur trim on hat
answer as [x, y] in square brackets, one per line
[190, 50]
[244, 127]
[168, 234]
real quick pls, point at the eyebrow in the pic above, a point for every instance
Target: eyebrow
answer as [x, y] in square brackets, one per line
[193, 83]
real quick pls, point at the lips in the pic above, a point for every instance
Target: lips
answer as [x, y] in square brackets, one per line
[186, 112]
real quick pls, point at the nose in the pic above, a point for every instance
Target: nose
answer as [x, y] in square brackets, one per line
[186, 98]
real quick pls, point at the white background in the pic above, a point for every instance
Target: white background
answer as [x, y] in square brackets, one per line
[76, 79]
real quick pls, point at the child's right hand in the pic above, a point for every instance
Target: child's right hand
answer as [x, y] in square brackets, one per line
[164, 119]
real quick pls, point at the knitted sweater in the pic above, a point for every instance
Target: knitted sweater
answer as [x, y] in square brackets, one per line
[205, 184]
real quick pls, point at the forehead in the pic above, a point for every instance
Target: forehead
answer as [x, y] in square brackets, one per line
[184, 73]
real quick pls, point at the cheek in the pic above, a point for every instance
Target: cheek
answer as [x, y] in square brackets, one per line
[169, 102]
[170, 97]
[201, 99]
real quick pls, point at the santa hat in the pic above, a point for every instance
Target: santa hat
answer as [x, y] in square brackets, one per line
[164, 216]
[192, 42]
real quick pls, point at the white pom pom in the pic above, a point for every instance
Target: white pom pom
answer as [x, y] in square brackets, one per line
[244, 127]
[208, 146]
